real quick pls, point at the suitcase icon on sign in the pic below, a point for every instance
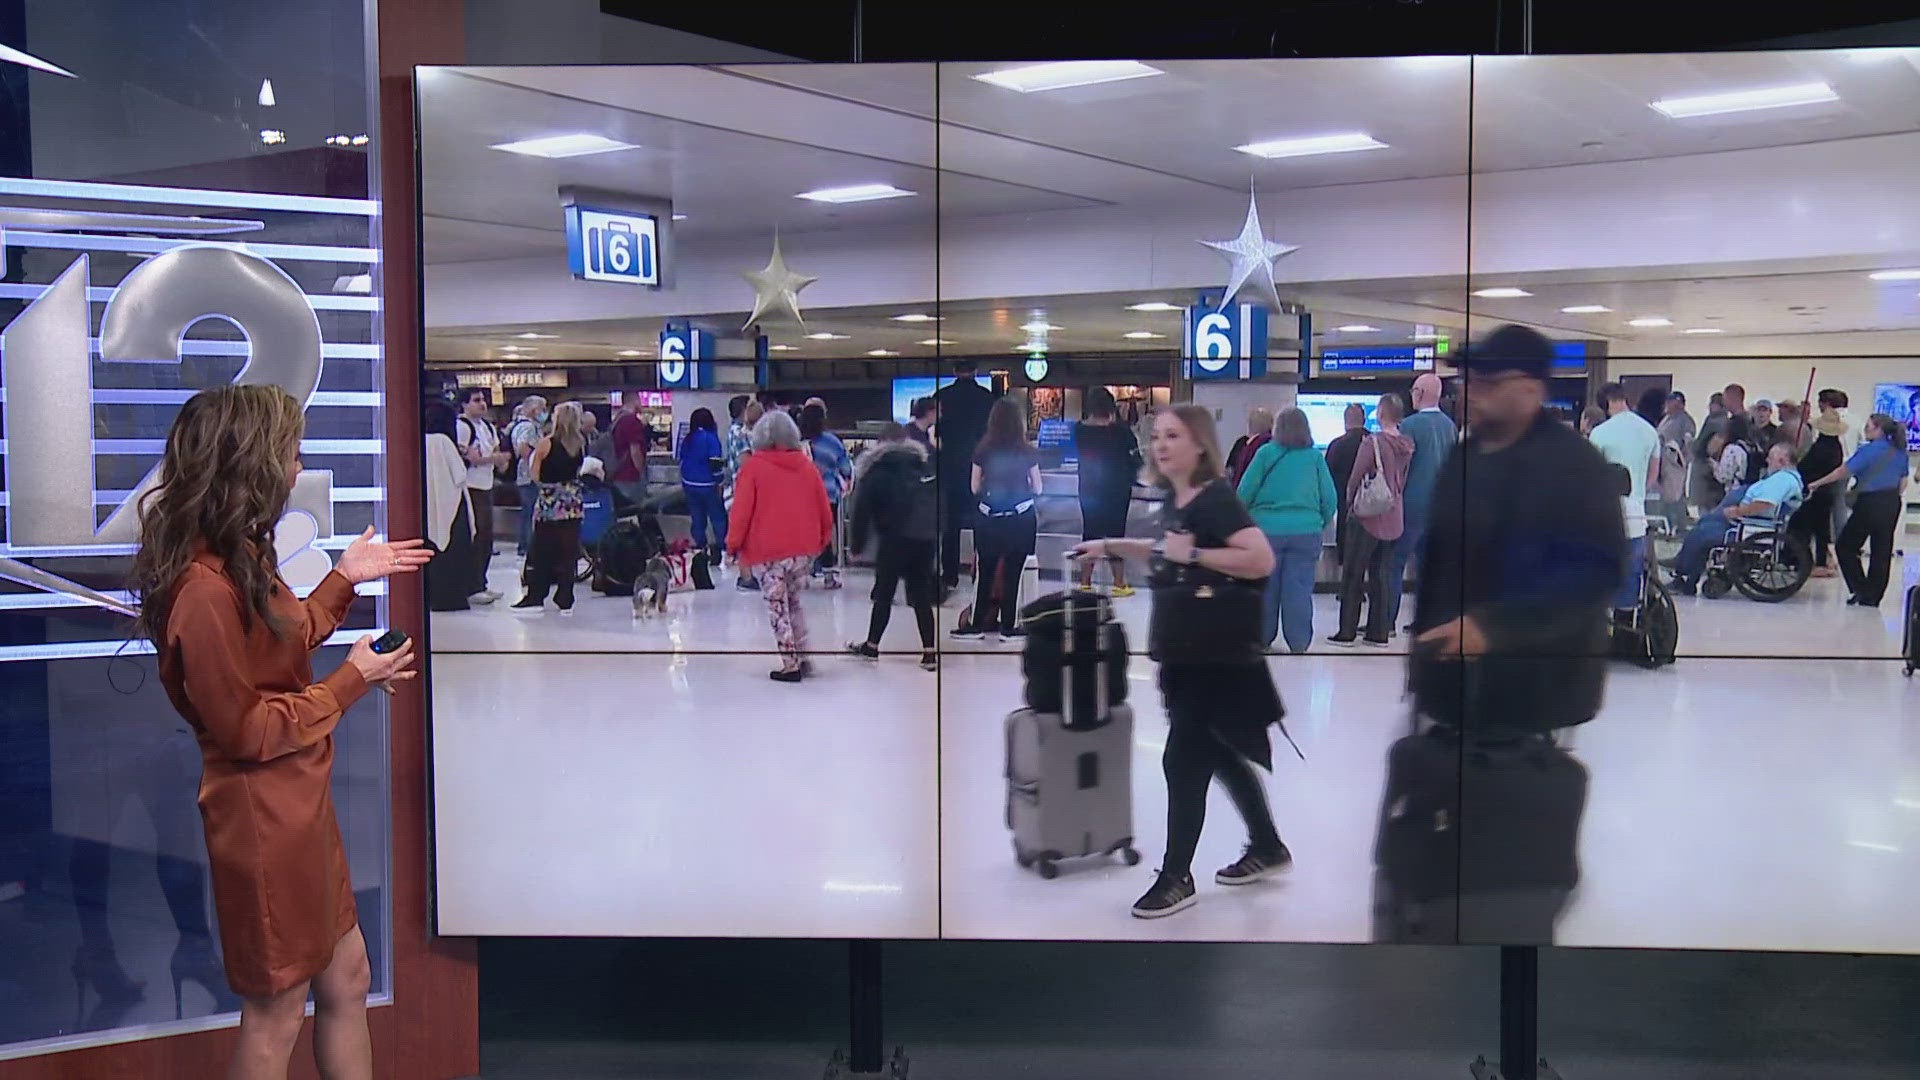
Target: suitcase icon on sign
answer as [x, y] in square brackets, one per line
[617, 251]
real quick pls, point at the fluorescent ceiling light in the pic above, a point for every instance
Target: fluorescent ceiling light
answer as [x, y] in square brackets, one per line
[679, 217]
[1313, 144]
[1034, 78]
[1142, 335]
[1039, 327]
[564, 146]
[1895, 275]
[855, 193]
[1650, 321]
[631, 352]
[272, 136]
[531, 336]
[1771, 97]
[916, 317]
[1358, 328]
[1502, 293]
[783, 348]
[824, 336]
[1154, 305]
[1586, 309]
[1031, 347]
[936, 341]
[881, 352]
[1703, 330]
[266, 93]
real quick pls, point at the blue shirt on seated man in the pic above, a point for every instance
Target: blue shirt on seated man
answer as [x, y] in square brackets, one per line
[1773, 498]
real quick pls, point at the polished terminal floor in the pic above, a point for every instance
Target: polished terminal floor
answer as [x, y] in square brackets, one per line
[774, 1010]
[1763, 793]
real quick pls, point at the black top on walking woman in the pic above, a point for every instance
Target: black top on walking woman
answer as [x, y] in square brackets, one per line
[1208, 573]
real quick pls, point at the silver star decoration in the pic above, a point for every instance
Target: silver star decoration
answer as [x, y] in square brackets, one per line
[776, 290]
[1252, 255]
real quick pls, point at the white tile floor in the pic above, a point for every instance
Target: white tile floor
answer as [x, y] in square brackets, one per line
[1769, 802]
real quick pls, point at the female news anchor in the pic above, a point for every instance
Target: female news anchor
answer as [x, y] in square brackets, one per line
[1208, 574]
[235, 648]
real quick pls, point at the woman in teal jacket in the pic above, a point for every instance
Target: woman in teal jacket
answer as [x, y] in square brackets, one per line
[1290, 493]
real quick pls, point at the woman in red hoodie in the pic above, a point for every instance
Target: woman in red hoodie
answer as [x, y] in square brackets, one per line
[781, 519]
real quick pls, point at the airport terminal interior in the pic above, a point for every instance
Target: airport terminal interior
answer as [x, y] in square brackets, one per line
[1047, 239]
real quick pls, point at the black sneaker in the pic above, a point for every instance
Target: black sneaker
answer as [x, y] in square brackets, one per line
[1169, 894]
[864, 650]
[1682, 586]
[786, 675]
[528, 603]
[1257, 864]
[1014, 634]
[1345, 641]
[929, 661]
[967, 632]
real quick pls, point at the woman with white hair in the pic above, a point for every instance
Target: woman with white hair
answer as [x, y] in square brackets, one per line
[780, 520]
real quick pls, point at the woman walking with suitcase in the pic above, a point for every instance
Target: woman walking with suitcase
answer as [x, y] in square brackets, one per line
[1208, 575]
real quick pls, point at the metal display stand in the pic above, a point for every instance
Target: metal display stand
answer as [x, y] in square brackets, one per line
[1519, 1020]
[865, 1053]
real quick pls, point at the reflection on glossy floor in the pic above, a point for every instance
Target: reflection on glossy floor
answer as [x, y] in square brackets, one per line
[1815, 623]
[683, 796]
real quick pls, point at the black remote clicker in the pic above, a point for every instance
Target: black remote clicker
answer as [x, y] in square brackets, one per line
[389, 641]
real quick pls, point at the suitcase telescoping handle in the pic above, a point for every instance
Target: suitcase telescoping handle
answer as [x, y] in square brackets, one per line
[1102, 706]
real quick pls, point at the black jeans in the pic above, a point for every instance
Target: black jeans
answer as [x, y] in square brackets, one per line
[1194, 757]
[1813, 522]
[482, 537]
[1876, 514]
[553, 560]
[1001, 546]
[909, 562]
[1363, 576]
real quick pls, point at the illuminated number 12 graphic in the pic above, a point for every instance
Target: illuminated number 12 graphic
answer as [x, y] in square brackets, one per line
[49, 376]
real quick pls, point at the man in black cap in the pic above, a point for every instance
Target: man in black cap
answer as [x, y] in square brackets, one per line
[1524, 549]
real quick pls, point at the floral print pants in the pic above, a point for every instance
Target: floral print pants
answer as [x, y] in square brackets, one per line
[780, 584]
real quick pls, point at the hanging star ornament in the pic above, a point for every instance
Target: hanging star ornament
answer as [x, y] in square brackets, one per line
[1252, 255]
[776, 290]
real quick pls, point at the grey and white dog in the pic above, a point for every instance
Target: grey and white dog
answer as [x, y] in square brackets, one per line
[650, 589]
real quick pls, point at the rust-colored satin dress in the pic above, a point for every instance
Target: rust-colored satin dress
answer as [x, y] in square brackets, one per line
[265, 727]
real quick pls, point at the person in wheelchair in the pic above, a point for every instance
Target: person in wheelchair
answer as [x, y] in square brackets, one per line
[1768, 501]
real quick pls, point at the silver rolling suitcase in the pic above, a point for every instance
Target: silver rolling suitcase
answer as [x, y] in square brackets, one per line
[1070, 778]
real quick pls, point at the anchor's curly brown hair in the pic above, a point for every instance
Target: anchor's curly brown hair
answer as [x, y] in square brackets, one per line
[223, 487]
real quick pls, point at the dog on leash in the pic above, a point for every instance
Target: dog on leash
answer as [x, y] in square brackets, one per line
[651, 587]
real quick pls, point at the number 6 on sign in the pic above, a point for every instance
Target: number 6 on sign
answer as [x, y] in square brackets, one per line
[1226, 343]
[49, 375]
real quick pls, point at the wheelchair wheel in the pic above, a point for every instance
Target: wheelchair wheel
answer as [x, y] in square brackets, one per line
[1715, 585]
[1660, 621]
[1771, 566]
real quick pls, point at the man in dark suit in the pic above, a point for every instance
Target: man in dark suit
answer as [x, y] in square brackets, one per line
[963, 407]
[1341, 454]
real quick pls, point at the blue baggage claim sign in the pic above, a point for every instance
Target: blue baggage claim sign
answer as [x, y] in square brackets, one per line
[617, 246]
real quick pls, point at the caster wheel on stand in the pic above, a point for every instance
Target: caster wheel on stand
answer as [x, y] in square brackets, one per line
[1048, 870]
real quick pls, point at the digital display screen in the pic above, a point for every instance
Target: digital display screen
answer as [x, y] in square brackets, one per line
[908, 390]
[1901, 401]
[1327, 413]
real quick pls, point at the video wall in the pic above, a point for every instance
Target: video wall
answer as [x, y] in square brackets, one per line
[764, 682]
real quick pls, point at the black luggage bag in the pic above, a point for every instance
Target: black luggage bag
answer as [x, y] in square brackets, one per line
[622, 554]
[1910, 639]
[1052, 664]
[1473, 837]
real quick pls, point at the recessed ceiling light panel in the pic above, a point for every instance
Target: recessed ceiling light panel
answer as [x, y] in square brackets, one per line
[1502, 293]
[1312, 145]
[1586, 309]
[854, 193]
[1770, 97]
[1037, 78]
[1650, 321]
[565, 146]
